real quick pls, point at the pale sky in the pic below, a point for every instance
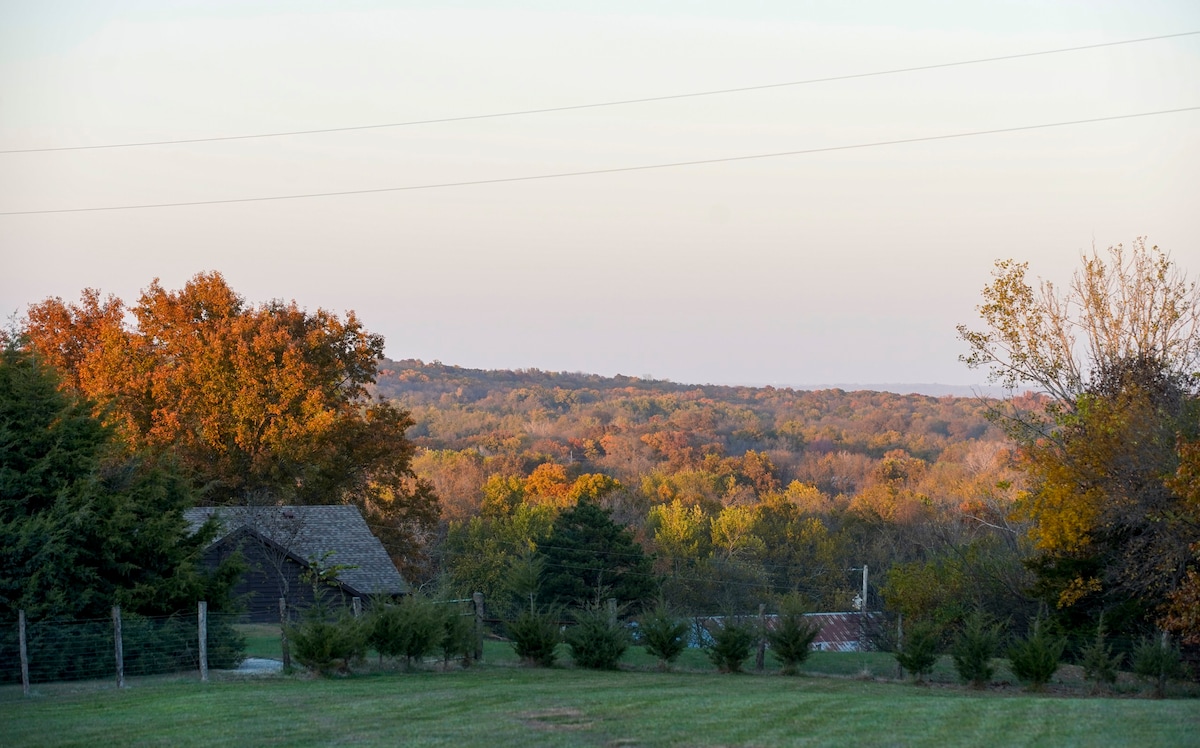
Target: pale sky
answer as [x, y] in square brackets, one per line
[849, 266]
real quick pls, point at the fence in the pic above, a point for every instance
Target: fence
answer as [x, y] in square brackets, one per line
[45, 651]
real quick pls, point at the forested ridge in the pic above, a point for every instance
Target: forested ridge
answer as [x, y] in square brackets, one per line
[456, 407]
[739, 493]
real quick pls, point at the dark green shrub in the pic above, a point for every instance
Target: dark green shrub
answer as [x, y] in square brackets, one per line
[410, 629]
[974, 649]
[1035, 658]
[731, 645]
[1155, 659]
[535, 637]
[1099, 664]
[323, 641]
[919, 650]
[458, 635]
[663, 635]
[385, 630]
[596, 641]
[791, 639]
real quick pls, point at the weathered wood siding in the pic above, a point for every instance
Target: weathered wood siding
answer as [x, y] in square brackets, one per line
[263, 582]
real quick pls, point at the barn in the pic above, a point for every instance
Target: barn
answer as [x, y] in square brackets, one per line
[277, 544]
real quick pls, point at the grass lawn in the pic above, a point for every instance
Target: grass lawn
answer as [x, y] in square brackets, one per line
[501, 704]
[262, 639]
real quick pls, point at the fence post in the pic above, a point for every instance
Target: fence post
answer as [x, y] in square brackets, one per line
[24, 652]
[118, 646]
[202, 632]
[760, 660]
[477, 598]
[610, 607]
[356, 606]
[284, 648]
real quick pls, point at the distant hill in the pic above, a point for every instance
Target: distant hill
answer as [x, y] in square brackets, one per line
[931, 389]
[436, 371]
[570, 415]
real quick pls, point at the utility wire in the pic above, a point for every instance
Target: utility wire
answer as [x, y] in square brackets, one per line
[602, 104]
[592, 172]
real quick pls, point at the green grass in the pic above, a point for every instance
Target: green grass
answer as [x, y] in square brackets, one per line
[262, 639]
[500, 704]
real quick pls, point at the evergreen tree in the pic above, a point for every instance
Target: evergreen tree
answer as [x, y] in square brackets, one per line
[919, 651]
[791, 639]
[590, 557]
[82, 525]
[975, 648]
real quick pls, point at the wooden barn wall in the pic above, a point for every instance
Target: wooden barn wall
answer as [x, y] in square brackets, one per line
[260, 587]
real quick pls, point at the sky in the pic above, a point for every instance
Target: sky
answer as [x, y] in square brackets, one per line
[841, 266]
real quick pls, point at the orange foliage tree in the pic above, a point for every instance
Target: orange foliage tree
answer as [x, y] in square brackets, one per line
[260, 402]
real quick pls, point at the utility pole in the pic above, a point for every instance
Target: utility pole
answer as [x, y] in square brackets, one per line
[862, 607]
[864, 592]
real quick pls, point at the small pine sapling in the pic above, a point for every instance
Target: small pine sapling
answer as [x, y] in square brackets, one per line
[1035, 658]
[384, 628]
[596, 641]
[731, 645]
[974, 649]
[1157, 660]
[323, 640]
[663, 635]
[919, 650]
[410, 629]
[535, 637]
[791, 639]
[458, 636]
[1100, 665]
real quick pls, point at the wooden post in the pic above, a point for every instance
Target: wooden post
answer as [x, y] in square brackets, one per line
[118, 646]
[284, 648]
[356, 606]
[1162, 673]
[899, 644]
[863, 643]
[610, 607]
[202, 633]
[477, 598]
[760, 660]
[24, 652]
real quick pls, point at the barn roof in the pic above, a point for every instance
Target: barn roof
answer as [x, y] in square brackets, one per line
[840, 632]
[306, 532]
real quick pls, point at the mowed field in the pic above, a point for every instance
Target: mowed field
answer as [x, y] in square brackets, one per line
[501, 704]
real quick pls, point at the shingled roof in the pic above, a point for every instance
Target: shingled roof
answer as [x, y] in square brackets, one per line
[305, 532]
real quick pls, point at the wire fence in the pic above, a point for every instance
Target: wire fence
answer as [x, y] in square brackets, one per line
[118, 646]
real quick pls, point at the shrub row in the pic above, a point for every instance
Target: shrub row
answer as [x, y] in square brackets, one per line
[1035, 658]
[326, 640]
[597, 641]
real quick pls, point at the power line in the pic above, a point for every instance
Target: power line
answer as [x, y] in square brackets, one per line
[593, 172]
[602, 104]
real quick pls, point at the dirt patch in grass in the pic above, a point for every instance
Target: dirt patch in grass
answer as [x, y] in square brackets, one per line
[562, 719]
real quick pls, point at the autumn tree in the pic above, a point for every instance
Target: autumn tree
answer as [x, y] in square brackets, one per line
[265, 399]
[1116, 352]
[481, 554]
